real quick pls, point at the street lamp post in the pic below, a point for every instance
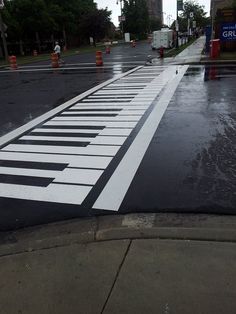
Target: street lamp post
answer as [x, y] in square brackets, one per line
[2, 32]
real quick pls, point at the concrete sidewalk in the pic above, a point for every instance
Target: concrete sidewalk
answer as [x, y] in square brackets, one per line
[191, 54]
[154, 263]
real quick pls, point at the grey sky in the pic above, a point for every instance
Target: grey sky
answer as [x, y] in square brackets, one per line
[168, 7]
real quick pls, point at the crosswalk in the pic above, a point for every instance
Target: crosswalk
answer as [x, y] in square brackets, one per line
[61, 159]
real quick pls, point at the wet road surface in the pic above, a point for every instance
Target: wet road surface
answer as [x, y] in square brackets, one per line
[157, 139]
[36, 88]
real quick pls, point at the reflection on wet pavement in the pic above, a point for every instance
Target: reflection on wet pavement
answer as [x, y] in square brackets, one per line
[191, 162]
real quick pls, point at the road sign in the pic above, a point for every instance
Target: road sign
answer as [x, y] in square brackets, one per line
[1, 4]
[194, 24]
[191, 14]
[228, 32]
[121, 18]
[180, 5]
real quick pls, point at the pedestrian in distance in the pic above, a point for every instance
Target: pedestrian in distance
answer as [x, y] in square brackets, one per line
[57, 50]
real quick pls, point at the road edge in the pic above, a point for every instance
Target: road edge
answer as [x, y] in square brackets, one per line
[202, 227]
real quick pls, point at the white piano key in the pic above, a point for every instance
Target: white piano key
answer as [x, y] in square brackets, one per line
[78, 176]
[128, 85]
[88, 131]
[95, 150]
[114, 124]
[123, 108]
[110, 119]
[55, 193]
[115, 132]
[68, 175]
[89, 113]
[109, 140]
[117, 92]
[104, 140]
[81, 104]
[28, 172]
[115, 100]
[94, 162]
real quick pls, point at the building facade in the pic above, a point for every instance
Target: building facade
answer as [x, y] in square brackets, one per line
[155, 9]
[219, 4]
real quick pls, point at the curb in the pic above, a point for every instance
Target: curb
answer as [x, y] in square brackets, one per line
[109, 228]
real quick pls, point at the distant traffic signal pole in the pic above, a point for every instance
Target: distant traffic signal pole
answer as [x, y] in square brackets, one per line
[2, 31]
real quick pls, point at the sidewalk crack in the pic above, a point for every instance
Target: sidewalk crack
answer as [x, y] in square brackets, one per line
[116, 277]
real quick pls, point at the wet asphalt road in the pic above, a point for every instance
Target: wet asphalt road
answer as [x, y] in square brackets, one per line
[26, 95]
[189, 165]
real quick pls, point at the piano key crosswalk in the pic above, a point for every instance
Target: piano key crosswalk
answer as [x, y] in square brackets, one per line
[62, 159]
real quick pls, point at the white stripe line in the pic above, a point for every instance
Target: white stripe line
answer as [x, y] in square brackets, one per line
[65, 131]
[126, 112]
[99, 140]
[94, 150]
[114, 124]
[105, 132]
[117, 118]
[117, 186]
[124, 108]
[96, 162]
[75, 176]
[56, 193]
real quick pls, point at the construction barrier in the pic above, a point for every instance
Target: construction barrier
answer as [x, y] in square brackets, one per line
[55, 61]
[108, 50]
[99, 61]
[13, 64]
[35, 53]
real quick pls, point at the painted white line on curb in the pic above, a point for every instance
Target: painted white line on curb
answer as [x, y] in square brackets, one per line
[115, 190]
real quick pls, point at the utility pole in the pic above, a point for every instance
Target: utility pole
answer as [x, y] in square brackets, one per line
[2, 32]
[177, 25]
[121, 17]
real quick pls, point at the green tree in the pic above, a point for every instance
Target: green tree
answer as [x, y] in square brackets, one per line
[198, 12]
[137, 17]
[96, 24]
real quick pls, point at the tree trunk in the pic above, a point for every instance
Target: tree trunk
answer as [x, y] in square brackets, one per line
[64, 36]
[21, 48]
[53, 41]
[38, 42]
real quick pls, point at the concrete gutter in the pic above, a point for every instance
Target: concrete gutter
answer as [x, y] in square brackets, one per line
[132, 226]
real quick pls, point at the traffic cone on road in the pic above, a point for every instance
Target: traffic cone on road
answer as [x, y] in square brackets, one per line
[13, 64]
[99, 60]
[55, 61]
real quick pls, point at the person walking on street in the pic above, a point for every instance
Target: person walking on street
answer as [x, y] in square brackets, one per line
[57, 50]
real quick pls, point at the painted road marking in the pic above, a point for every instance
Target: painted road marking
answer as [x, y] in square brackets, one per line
[73, 145]
[114, 192]
[10, 136]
